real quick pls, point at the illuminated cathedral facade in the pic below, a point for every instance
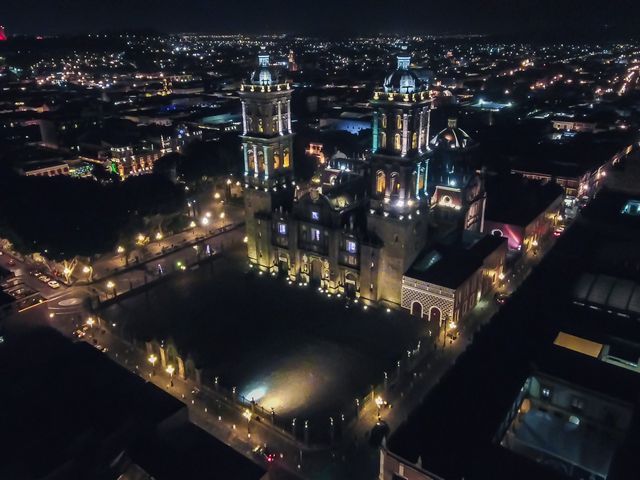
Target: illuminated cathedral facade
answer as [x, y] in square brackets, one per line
[358, 231]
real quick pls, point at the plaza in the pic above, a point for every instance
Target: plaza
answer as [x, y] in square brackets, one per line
[289, 347]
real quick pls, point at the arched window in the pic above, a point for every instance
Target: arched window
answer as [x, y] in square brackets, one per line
[395, 183]
[396, 142]
[435, 315]
[399, 122]
[413, 183]
[416, 309]
[414, 140]
[261, 164]
[252, 160]
[381, 182]
[383, 120]
[383, 140]
[421, 176]
[260, 126]
[276, 159]
[286, 161]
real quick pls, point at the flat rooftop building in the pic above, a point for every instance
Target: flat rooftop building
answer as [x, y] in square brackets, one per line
[551, 387]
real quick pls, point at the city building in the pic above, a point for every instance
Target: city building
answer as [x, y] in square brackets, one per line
[46, 169]
[525, 212]
[108, 422]
[358, 237]
[550, 388]
[458, 197]
[447, 281]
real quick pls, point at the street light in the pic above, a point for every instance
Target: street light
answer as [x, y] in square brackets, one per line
[111, 286]
[88, 270]
[120, 249]
[170, 370]
[379, 402]
[152, 360]
[204, 221]
[247, 414]
[159, 236]
[222, 215]
[91, 322]
[192, 224]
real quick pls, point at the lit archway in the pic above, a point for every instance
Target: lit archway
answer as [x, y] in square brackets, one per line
[381, 182]
[416, 309]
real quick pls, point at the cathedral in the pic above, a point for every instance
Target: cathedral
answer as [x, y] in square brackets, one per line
[362, 226]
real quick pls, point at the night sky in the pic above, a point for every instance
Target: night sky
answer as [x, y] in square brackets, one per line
[321, 16]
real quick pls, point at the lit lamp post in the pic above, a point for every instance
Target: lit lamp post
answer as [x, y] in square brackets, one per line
[152, 360]
[91, 322]
[247, 414]
[170, 370]
[121, 251]
[88, 270]
[112, 286]
[452, 327]
[379, 402]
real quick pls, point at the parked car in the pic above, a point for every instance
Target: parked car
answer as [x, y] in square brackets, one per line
[53, 284]
[44, 279]
[265, 453]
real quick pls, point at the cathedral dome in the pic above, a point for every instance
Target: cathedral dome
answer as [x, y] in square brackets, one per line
[452, 138]
[402, 80]
[264, 74]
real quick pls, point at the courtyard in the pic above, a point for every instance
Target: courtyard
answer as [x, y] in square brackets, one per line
[289, 347]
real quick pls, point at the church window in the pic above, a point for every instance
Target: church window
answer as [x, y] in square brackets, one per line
[414, 140]
[396, 142]
[351, 246]
[252, 161]
[383, 140]
[384, 120]
[315, 234]
[381, 182]
[315, 216]
[261, 165]
[395, 183]
[260, 126]
[276, 159]
[399, 122]
[286, 158]
[282, 228]
[421, 180]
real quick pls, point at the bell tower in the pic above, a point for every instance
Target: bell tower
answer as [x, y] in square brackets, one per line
[267, 146]
[398, 208]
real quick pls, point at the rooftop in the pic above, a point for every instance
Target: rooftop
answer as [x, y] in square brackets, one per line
[450, 265]
[516, 201]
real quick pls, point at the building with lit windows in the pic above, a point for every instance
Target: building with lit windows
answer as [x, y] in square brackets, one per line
[359, 234]
[458, 197]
